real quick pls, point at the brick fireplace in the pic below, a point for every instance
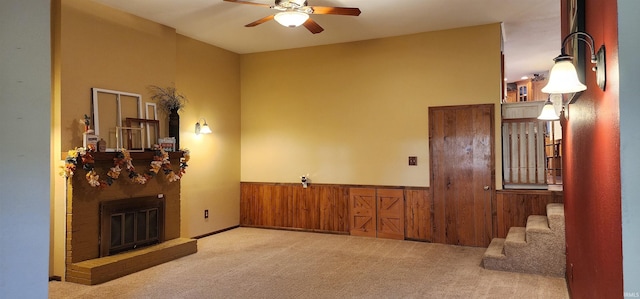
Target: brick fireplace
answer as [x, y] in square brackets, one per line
[88, 258]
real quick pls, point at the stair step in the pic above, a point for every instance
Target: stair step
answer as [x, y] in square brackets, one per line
[538, 248]
[495, 249]
[555, 213]
[516, 236]
[555, 209]
[538, 224]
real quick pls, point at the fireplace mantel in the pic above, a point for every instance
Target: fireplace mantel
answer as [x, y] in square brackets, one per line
[146, 155]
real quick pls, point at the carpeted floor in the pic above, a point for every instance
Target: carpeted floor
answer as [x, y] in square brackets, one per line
[261, 263]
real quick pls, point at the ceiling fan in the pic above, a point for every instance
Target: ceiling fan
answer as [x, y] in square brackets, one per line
[294, 13]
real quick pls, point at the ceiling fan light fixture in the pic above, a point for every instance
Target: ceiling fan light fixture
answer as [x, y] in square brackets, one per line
[291, 18]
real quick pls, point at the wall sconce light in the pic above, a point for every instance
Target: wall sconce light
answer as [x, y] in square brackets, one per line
[563, 77]
[548, 111]
[204, 129]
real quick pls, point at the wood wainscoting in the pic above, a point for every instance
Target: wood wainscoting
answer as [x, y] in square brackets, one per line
[325, 208]
[418, 215]
[316, 208]
[514, 206]
[377, 212]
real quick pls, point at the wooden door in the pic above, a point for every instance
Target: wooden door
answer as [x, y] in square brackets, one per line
[461, 142]
[390, 213]
[363, 212]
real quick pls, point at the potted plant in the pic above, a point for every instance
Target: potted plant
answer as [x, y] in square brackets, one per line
[170, 101]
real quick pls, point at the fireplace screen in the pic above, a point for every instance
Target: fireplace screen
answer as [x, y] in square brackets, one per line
[131, 223]
[133, 229]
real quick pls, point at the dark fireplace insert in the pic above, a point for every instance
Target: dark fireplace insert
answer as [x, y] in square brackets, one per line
[131, 223]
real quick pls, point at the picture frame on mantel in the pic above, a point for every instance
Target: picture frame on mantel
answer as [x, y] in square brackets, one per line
[149, 135]
[109, 108]
[575, 18]
[130, 138]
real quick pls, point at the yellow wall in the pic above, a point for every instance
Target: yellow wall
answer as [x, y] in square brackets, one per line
[105, 48]
[97, 46]
[211, 78]
[352, 113]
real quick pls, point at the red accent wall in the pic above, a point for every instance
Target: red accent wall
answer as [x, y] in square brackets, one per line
[592, 170]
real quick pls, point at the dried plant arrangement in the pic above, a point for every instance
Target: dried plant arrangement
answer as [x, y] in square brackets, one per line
[168, 98]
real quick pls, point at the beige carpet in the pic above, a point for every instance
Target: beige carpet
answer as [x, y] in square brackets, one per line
[261, 263]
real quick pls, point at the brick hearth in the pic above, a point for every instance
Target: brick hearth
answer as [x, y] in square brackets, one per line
[96, 271]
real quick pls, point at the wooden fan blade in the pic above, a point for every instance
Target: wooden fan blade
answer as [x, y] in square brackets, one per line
[312, 26]
[345, 11]
[250, 3]
[258, 22]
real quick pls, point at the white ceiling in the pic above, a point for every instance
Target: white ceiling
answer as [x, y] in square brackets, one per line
[531, 29]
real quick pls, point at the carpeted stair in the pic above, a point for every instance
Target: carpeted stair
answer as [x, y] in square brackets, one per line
[538, 248]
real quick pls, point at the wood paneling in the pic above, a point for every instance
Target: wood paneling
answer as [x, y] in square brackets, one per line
[390, 213]
[316, 208]
[462, 173]
[326, 208]
[362, 204]
[334, 209]
[514, 206]
[377, 212]
[305, 208]
[418, 214]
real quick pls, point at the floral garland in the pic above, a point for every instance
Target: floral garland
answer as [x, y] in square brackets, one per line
[122, 161]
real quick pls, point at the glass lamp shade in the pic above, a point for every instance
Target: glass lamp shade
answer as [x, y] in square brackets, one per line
[548, 112]
[205, 129]
[563, 77]
[291, 18]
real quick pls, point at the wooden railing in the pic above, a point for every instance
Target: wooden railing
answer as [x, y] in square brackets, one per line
[523, 144]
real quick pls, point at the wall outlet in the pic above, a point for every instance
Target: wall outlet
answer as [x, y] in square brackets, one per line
[206, 214]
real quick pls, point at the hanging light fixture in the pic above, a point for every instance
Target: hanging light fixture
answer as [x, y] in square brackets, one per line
[291, 18]
[548, 111]
[204, 129]
[563, 77]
